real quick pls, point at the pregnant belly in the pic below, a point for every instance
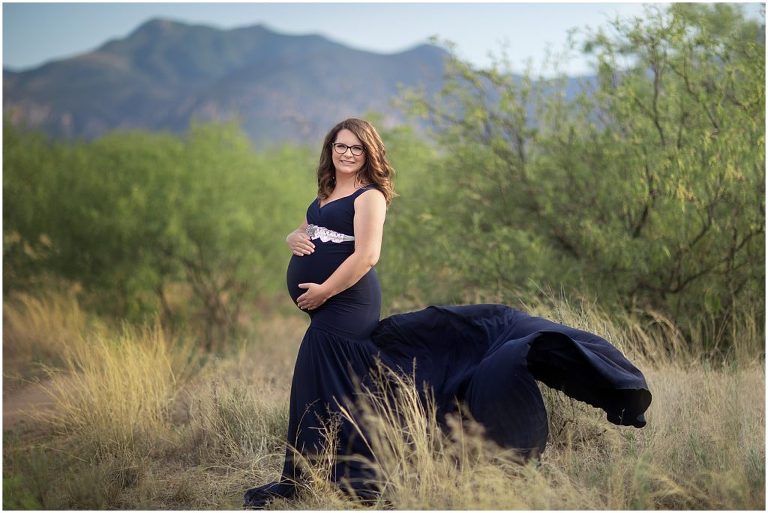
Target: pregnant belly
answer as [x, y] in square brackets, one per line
[315, 267]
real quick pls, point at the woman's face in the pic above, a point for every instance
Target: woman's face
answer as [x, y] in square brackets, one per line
[346, 163]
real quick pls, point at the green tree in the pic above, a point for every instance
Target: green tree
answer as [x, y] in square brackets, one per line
[192, 227]
[27, 163]
[644, 190]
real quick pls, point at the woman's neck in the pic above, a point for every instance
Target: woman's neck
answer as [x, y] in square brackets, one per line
[345, 183]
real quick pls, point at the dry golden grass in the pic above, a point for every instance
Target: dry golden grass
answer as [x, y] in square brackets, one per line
[119, 391]
[38, 329]
[145, 421]
[702, 449]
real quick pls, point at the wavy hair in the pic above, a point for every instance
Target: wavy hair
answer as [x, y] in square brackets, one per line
[376, 170]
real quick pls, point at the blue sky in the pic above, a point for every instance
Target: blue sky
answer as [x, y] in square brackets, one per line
[34, 33]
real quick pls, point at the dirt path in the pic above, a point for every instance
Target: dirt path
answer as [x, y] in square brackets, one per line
[22, 403]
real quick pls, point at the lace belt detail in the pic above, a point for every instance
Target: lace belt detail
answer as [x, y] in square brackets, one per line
[326, 235]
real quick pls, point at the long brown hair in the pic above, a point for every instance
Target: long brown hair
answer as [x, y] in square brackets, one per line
[376, 170]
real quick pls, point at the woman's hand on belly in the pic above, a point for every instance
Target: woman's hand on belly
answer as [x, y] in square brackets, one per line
[300, 243]
[314, 297]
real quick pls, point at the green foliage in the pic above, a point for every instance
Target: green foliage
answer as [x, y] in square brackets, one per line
[28, 161]
[16, 495]
[133, 214]
[646, 192]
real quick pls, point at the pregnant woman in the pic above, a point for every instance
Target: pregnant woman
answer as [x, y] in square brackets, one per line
[485, 356]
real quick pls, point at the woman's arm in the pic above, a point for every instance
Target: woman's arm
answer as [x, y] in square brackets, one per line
[370, 212]
[299, 241]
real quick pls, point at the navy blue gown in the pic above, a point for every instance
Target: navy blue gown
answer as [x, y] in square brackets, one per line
[486, 357]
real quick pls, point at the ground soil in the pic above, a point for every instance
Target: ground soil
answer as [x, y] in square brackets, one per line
[25, 403]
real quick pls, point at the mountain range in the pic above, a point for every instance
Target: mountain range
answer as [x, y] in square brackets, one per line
[165, 74]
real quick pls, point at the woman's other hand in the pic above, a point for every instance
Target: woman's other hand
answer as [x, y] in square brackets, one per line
[300, 243]
[314, 297]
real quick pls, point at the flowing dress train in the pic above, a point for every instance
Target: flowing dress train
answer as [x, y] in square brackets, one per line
[487, 357]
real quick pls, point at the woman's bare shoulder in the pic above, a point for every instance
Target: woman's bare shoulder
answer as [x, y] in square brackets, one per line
[371, 195]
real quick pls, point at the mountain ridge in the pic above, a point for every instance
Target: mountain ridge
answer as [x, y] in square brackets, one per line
[165, 73]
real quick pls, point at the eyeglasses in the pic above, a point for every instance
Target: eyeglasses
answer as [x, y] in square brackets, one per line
[341, 149]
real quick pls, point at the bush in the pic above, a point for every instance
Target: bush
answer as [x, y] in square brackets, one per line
[643, 188]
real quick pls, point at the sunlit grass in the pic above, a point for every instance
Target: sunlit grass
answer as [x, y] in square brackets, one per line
[118, 391]
[702, 449]
[38, 330]
[145, 421]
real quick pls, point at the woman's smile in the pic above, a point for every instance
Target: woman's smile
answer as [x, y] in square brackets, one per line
[347, 161]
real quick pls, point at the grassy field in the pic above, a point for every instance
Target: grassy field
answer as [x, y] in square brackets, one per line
[123, 417]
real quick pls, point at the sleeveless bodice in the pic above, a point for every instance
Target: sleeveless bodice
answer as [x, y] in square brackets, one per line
[337, 215]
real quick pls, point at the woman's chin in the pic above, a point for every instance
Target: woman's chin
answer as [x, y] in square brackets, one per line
[347, 170]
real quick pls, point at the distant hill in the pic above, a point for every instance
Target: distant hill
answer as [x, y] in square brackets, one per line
[166, 73]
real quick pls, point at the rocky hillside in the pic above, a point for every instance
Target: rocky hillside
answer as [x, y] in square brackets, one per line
[166, 73]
